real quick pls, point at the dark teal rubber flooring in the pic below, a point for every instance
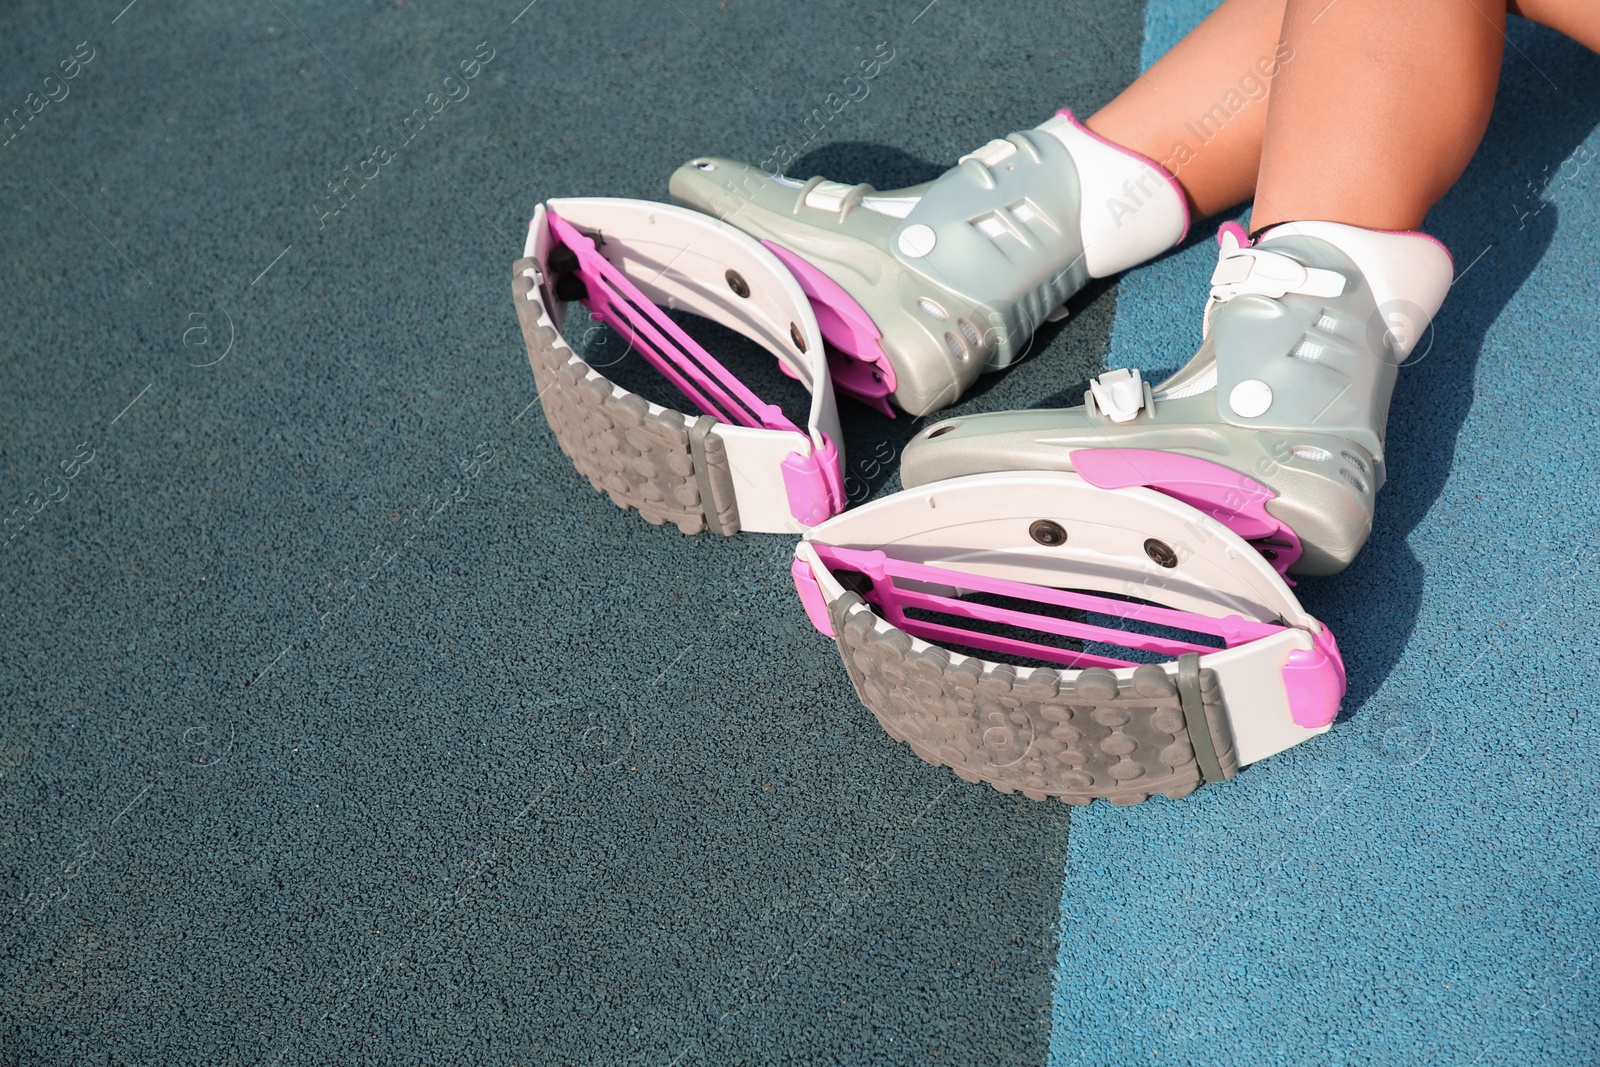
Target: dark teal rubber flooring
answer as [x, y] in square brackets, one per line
[340, 721]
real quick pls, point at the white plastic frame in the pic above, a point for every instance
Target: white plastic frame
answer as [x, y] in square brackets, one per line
[980, 524]
[680, 259]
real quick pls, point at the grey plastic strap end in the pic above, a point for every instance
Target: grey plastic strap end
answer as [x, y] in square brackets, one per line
[1204, 722]
[716, 495]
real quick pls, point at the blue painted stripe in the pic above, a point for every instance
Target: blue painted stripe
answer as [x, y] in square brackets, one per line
[1417, 886]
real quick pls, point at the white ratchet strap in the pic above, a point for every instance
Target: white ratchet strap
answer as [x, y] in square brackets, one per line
[1243, 271]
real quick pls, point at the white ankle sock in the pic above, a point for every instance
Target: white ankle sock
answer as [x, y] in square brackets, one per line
[1132, 209]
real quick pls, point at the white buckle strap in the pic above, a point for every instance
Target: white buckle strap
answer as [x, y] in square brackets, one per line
[828, 196]
[1261, 272]
[992, 154]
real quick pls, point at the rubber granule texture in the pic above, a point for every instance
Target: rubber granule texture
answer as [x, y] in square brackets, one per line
[1079, 736]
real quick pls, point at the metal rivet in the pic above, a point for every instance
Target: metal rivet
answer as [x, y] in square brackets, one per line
[797, 337]
[736, 282]
[1161, 553]
[1047, 533]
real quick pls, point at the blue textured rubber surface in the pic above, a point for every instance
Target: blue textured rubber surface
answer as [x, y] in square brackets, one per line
[340, 720]
[1419, 885]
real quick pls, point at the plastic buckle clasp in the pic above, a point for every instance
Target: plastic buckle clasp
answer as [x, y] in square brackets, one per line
[1262, 272]
[814, 484]
[1120, 394]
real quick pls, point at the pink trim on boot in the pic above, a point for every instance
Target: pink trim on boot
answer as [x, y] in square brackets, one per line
[1240, 234]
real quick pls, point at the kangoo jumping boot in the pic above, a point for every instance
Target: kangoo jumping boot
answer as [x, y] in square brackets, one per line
[1276, 426]
[920, 290]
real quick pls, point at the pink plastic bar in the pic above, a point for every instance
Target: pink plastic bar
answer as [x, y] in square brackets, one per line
[618, 303]
[1233, 629]
[939, 632]
[817, 609]
[893, 599]
[1083, 630]
[1237, 501]
[857, 363]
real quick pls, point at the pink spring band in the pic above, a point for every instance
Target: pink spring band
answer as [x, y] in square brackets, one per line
[618, 303]
[857, 363]
[813, 482]
[1314, 680]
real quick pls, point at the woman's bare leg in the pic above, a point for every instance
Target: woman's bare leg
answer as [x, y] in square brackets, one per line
[1379, 111]
[1577, 19]
[1319, 102]
[1201, 110]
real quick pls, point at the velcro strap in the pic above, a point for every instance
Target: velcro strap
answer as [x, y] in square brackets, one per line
[1261, 272]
